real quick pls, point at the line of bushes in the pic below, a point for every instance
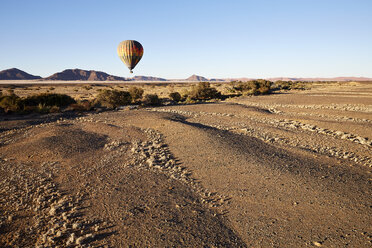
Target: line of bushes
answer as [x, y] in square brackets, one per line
[252, 87]
[291, 85]
[41, 103]
[51, 102]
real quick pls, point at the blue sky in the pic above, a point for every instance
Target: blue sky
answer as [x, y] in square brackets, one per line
[215, 39]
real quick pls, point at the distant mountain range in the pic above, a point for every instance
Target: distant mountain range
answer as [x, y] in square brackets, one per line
[85, 75]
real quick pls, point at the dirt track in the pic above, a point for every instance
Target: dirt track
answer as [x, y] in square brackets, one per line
[285, 170]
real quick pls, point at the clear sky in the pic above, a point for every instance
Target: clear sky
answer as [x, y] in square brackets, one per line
[212, 38]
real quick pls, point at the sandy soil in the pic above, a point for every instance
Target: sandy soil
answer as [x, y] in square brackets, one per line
[283, 170]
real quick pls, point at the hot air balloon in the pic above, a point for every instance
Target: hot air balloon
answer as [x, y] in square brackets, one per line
[130, 52]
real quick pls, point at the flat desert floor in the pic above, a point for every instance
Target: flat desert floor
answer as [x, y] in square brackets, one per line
[283, 170]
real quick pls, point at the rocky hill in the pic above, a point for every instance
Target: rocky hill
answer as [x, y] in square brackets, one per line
[84, 75]
[16, 74]
[147, 78]
[196, 78]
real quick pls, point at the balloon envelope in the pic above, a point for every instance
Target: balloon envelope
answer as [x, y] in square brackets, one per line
[130, 52]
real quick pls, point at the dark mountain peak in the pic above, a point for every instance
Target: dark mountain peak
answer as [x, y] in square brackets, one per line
[16, 74]
[84, 75]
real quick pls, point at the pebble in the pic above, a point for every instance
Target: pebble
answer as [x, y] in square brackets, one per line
[318, 244]
[76, 225]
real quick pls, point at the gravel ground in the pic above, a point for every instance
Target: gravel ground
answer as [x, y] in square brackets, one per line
[285, 170]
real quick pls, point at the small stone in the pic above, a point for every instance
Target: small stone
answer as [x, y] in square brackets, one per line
[89, 236]
[64, 216]
[64, 226]
[71, 239]
[76, 225]
[80, 240]
[318, 244]
[52, 210]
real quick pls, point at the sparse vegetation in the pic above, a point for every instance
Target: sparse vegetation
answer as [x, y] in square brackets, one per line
[293, 85]
[41, 103]
[113, 98]
[10, 103]
[81, 106]
[10, 91]
[203, 91]
[252, 87]
[151, 100]
[175, 96]
[59, 100]
[18, 99]
[87, 87]
[136, 93]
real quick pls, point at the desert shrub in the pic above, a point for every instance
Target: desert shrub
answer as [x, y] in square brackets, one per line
[203, 91]
[300, 85]
[175, 96]
[151, 100]
[136, 93]
[10, 103]
[54, 109]
[45, 99]
[283, 85]
[113, 98]
[10, 91]
[42, 108]
[292, 85]
[81, 106]
[87, 87]
[252, 87]
[52, 88]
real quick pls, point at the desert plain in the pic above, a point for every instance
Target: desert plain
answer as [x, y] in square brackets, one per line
[290, 169]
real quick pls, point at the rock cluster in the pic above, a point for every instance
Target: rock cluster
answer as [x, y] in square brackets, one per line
[285, 124]
[40, 213]
[155, 155]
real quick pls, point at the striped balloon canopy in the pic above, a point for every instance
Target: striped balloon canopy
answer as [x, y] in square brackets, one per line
[130, 52]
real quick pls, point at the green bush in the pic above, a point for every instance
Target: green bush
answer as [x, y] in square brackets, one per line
[283, 85]
[203, 91]
[113, 98]
[151, 100]
[175, 96]
[44, 109]
[136, 93]
[47, 99]
[292, 85]
[10, 103]
[252, 87]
